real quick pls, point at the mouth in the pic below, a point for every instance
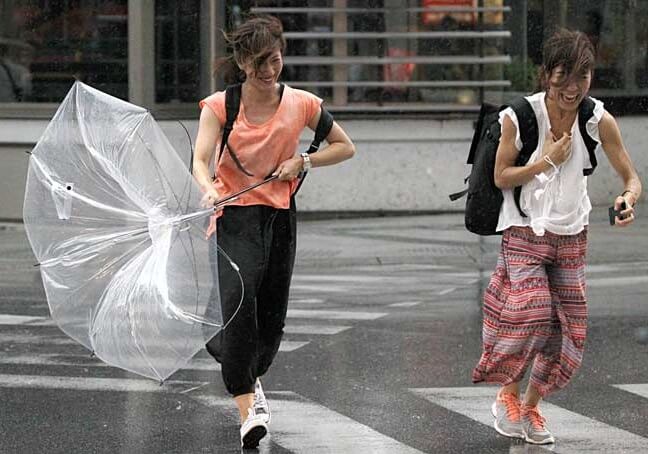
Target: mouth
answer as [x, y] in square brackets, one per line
[570, 99]
[266, 80]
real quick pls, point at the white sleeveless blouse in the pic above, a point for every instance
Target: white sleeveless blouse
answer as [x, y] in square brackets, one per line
[556, 201]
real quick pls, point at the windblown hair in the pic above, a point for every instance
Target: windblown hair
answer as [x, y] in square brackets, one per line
[571, 49]
[255, 39]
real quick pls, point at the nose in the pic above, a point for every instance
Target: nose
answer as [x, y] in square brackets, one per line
[266, 67]
[572, 84]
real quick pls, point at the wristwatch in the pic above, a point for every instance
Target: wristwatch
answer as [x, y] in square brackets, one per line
[307, 162]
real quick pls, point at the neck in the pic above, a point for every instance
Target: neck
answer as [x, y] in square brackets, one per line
[554, 110]
[253, 94]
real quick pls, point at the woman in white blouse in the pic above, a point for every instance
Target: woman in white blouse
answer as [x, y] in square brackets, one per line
[535, 307]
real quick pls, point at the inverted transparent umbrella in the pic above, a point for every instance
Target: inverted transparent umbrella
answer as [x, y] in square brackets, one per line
[115, 221]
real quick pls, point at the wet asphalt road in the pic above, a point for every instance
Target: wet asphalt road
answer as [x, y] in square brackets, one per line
[382, 333]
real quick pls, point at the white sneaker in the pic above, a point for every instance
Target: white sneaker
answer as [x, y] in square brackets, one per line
[253, 429]
[261, 406]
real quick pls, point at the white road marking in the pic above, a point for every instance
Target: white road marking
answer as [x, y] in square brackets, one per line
[302, 426]
[326, 330]
[92, 383]
[318, 288]
[334, 315]
[405, 304]
[574, 432]
[85, 360]
[619, 281]
[621, 266]
[10, 319]
[640, 389]
[446, 291]
[306, 301]
[338, 278]
[291, 346]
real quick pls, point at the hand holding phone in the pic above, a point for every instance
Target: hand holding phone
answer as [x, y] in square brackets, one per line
[614, 213]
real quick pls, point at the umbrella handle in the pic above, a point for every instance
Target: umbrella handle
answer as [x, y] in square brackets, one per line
[230, 197]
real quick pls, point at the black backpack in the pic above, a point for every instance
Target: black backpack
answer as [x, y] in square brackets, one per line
[484, 199]
[232, 105]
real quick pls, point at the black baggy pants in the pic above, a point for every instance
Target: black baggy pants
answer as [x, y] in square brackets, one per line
[261, 240]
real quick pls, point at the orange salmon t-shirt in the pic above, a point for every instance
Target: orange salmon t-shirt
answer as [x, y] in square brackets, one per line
[262, 147]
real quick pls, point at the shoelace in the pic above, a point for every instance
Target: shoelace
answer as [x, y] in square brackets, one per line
[536, 418]
[259, 400]
[512, 405]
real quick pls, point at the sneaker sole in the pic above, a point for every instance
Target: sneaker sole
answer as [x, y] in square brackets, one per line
[253, 437]
[547, 441]
[499, 430]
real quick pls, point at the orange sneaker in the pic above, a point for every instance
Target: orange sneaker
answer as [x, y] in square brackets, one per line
[535, 429]
[508, 419]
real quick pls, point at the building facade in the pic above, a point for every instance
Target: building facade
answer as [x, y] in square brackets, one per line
[405, 78]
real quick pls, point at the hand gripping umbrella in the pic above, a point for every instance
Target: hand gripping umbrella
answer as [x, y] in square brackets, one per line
[115, 222]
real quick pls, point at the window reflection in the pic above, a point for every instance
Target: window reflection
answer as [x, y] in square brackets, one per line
[381, 55]
[360, 55]
[46, 45]
[177, 50]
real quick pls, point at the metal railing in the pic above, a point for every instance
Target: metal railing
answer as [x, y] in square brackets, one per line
[415, 91]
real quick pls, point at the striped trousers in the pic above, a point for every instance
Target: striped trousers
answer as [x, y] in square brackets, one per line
[535, 311]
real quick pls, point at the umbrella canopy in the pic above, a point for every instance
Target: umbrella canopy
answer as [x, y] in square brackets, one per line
[114, 218]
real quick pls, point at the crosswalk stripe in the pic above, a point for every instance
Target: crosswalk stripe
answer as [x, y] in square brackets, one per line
[405, 304]
[291, 346]
[9, 319]
[306, 300]
[352, 278]
[84, 359]
[334, 315]
[322, 288]
[616, 281]
[93, 384]
[640, 389]
[302, 426]
[618, 267]
[574, 432]
[326, 330]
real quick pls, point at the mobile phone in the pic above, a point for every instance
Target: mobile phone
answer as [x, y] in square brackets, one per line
[612, 213]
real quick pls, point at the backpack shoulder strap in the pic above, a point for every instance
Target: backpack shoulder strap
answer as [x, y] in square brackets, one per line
[485, 111]
[585, 113]
[232, 106]
[528, 125]
[322, 130]
[324, 125]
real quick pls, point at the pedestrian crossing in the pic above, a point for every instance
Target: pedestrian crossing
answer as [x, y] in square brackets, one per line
[575, 433]
[312, 319]
[301, 425]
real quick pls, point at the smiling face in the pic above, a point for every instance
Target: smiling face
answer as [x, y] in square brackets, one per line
[567, 64]
[263, 72]
[568, 90]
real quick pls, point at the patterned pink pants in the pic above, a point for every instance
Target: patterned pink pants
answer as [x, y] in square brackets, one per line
[535, 310]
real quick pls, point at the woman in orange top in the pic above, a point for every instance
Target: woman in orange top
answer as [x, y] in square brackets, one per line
[258, 229]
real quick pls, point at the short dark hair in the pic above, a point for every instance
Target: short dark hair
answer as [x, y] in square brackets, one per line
[570, 48]
[254, 39]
